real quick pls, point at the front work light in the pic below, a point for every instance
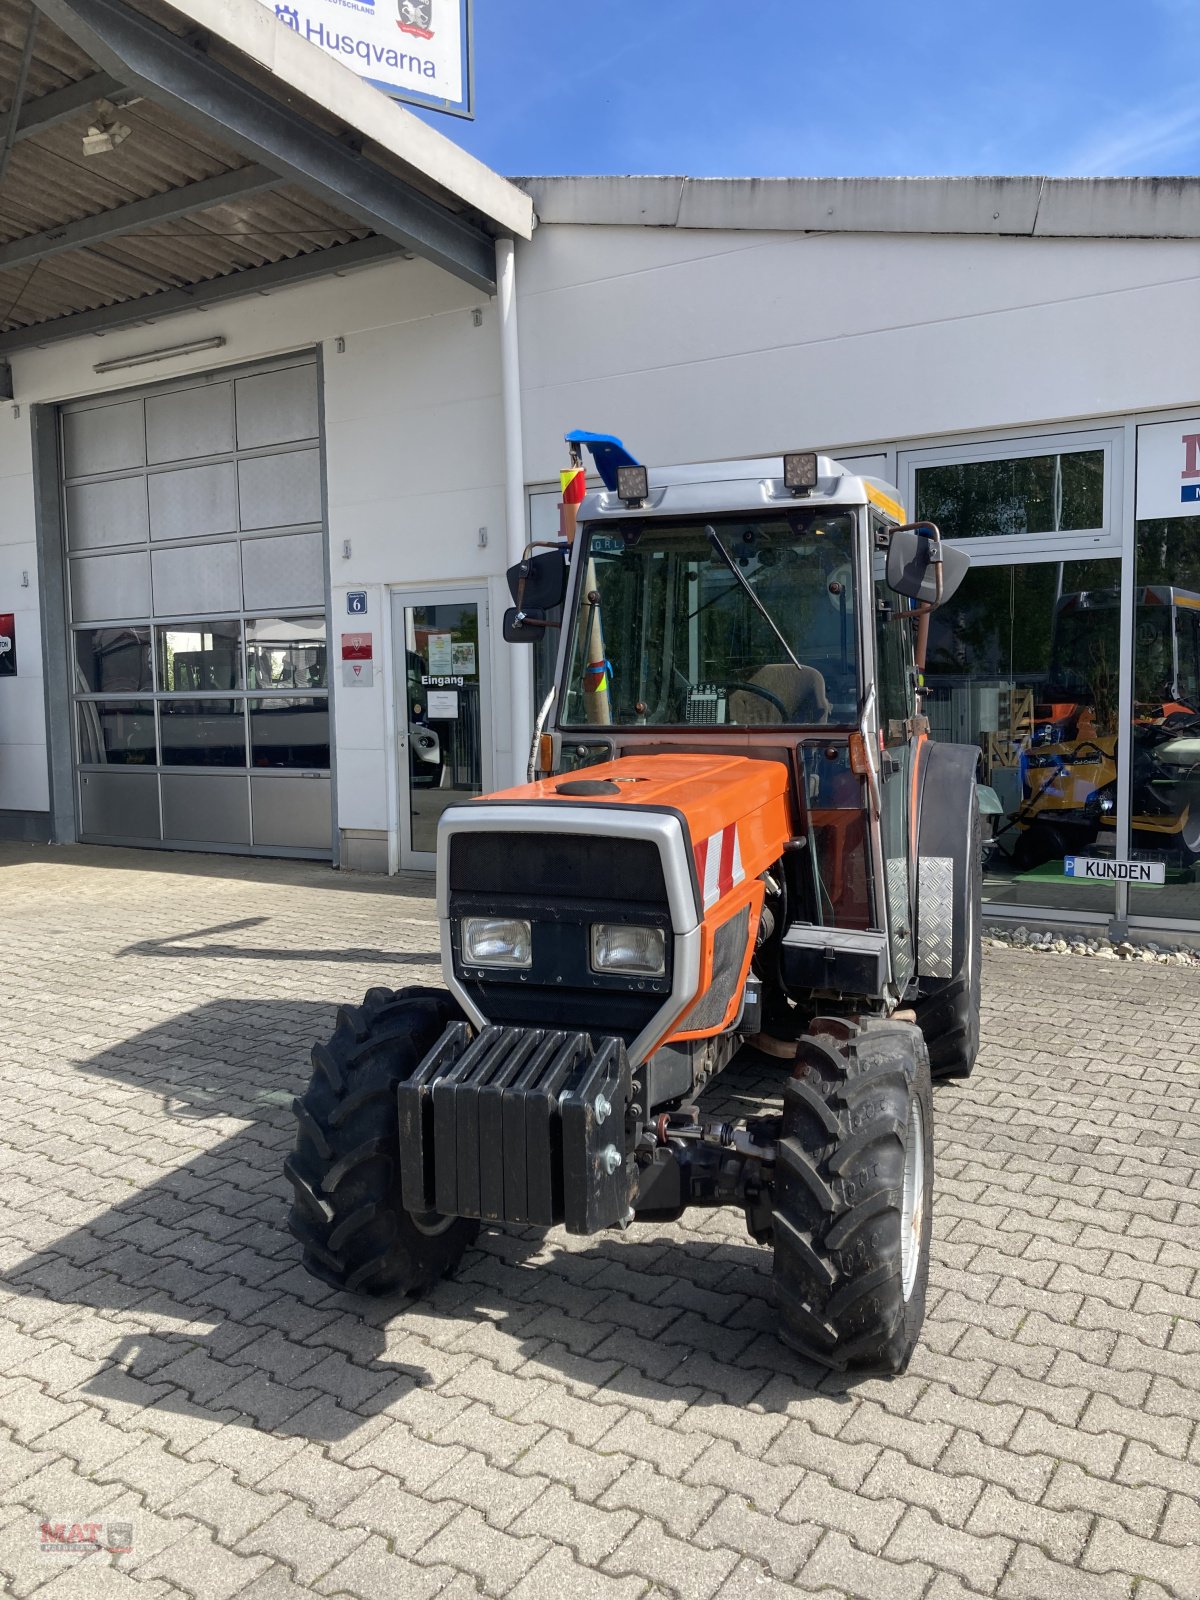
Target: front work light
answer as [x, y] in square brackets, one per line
[625, 947]
[633, 485]
[496, 942]
[800, 472]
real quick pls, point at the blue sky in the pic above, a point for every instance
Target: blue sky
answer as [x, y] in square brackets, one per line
[779, 87]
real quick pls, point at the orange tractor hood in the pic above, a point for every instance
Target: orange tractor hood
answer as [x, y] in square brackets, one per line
[730, 802]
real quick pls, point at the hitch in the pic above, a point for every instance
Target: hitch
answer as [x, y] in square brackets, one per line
[682, 1164]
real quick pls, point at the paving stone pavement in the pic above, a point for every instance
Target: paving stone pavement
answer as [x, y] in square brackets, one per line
[608, 1417]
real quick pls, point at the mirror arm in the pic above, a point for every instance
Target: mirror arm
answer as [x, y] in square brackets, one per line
[922, 610]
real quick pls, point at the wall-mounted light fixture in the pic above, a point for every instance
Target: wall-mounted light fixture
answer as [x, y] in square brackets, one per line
[193, 347]
[105, 131]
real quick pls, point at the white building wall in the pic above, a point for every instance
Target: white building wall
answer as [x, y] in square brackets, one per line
[414, 468]
[690, 345]
[694, 345]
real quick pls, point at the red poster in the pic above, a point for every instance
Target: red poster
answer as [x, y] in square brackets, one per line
[8, 645]
[356, 647]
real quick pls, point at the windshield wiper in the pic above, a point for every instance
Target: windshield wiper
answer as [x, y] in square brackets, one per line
[711, 535]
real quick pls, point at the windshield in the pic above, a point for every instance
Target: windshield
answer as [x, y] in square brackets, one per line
[670, 627]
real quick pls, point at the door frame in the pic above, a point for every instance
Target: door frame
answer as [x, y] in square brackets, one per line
[405, 857]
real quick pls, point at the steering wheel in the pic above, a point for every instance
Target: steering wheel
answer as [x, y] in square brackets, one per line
[764, 694]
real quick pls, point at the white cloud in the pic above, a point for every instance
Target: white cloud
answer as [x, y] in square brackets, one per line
[1135, 141]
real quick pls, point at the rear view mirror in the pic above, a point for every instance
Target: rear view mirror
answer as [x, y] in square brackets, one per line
[912, 571]
[539, 583]
[525, 626]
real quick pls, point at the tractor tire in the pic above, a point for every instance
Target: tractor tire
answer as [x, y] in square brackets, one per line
[948, 1009]
[853, 1197]
[346, 1210]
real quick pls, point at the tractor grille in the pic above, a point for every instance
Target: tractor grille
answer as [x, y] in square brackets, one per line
[561, 884]
[548, 866]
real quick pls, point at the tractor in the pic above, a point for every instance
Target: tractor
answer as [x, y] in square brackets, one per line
[737, 839]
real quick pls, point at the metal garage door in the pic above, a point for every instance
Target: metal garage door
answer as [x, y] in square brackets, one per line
[195, 548]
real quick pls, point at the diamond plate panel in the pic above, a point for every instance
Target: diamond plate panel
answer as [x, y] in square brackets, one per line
[897, 899]
[935, 916]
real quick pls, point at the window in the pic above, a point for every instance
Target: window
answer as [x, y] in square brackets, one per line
[1010, 499]
[1023, 661]
[198, 657]
[116, 732]
[286, 653]
[203, 733]
[1023, 494]
[1165, 737]
[113, 660]
[289, 731]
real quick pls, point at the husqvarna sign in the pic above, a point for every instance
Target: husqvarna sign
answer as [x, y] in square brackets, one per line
[415, 50]
[1168, 470]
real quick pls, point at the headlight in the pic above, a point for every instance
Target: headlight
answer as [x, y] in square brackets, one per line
[496, 942]
[625, 947]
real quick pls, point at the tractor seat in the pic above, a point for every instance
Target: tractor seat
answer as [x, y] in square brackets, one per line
[800, 689]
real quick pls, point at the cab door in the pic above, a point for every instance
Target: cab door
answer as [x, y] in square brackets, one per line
[897, 702]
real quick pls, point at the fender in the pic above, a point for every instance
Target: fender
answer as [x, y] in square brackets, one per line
[945, 830]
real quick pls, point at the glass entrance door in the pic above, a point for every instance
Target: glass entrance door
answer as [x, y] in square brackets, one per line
[442, 711]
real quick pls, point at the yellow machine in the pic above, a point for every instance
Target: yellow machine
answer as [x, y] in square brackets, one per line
[1069, 771]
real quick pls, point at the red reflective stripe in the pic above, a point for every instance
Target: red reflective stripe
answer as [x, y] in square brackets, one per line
[701, 857]
[725, 876]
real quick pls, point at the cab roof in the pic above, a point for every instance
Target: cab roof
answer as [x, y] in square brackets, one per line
[711, 488]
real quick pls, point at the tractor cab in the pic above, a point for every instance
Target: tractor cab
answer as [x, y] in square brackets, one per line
[770, 609]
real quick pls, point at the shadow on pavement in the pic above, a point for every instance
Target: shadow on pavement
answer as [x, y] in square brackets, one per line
[235, 1332]
[175, 945]
[266, 870]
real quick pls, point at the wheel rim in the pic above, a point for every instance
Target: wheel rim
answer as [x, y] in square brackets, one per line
[431, 1223]
[970, 943]
[912, 1213]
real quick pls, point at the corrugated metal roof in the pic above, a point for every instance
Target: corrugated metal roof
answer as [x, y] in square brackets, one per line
[49, 182]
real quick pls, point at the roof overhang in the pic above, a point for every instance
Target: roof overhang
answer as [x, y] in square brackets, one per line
[252, 159]
[1030, 207]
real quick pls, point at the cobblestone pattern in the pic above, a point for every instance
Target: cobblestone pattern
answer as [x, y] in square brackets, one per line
[608, 1417]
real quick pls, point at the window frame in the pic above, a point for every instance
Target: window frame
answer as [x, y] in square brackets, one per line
[1076, 544]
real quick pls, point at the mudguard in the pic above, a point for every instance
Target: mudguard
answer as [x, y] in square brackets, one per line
[945, 834]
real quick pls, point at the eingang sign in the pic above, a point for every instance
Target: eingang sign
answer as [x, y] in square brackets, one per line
[414, 50]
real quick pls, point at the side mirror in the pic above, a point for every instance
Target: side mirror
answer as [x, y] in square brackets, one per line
[539, 583]
[912, 571]
[525, 626]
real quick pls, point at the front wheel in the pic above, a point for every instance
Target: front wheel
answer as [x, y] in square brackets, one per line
[853, 1197]
[346, 1211]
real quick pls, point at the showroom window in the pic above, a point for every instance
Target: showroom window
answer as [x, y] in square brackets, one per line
[1165, 737]
[1024, 661]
